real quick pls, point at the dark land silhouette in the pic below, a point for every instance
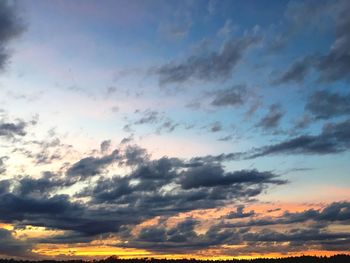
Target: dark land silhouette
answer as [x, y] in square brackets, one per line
[302, 259]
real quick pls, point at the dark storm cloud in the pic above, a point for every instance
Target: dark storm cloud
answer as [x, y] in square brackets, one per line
[135, 155]
[112, 204]
[160, 187]
[272, 118]
[325, 104]
[91, 166]
[9, 246]
[259, 234]
[55, 212]
[182, 238]
[4, 186]
[213, 175]
[10, 129]
[34, 207]
[214, 66]
[333, 65]
[11, 27]
[339, 211]
[108, 189]
[43, 186]
[17, 207]
[334, 138]
[234, 96]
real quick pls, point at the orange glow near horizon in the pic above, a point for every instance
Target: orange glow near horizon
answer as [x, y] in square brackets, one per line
[6, 226]
[101, 248]
[55, 250]
[98, 252]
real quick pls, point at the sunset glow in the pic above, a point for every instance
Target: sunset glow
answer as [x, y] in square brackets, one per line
[205, 129]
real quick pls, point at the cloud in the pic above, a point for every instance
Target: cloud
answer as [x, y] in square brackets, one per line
[182, 238]
[214, 66]
[105, 146]
[272, 118]
[332, 66]
[335, 212]
[297, 17]
[167, 126]
[50, 150]
[324, 104]
[167, 186]
[91, 166]
[216, 127]
[10, 129]
[252, 235]
[334, 138]
[295, 235]
[4, 186]
[42, 151]
[162, 188]
[296, 72]
[153, 117]
[148, 117]
[240, 213]
[219, 158]
[213, 175]
[227, 29]
[34, 202]
[234, 96]
[151, 187]
[135, 155]
[2, 164]
[212, 7]
[226, 138]
[44, 186]
[176, 31]
[12, 247]
[303, 122]
[11, 26]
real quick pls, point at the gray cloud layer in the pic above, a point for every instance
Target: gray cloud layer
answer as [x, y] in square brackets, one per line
[214, 66]
[332, 66]
[324, 104]
[10, 27]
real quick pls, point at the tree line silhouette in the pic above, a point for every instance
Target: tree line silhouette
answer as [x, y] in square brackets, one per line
[301, 259]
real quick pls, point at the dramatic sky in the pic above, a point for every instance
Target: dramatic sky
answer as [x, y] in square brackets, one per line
[207, 129]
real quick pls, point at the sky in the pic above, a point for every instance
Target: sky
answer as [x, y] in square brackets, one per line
[177, 129]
